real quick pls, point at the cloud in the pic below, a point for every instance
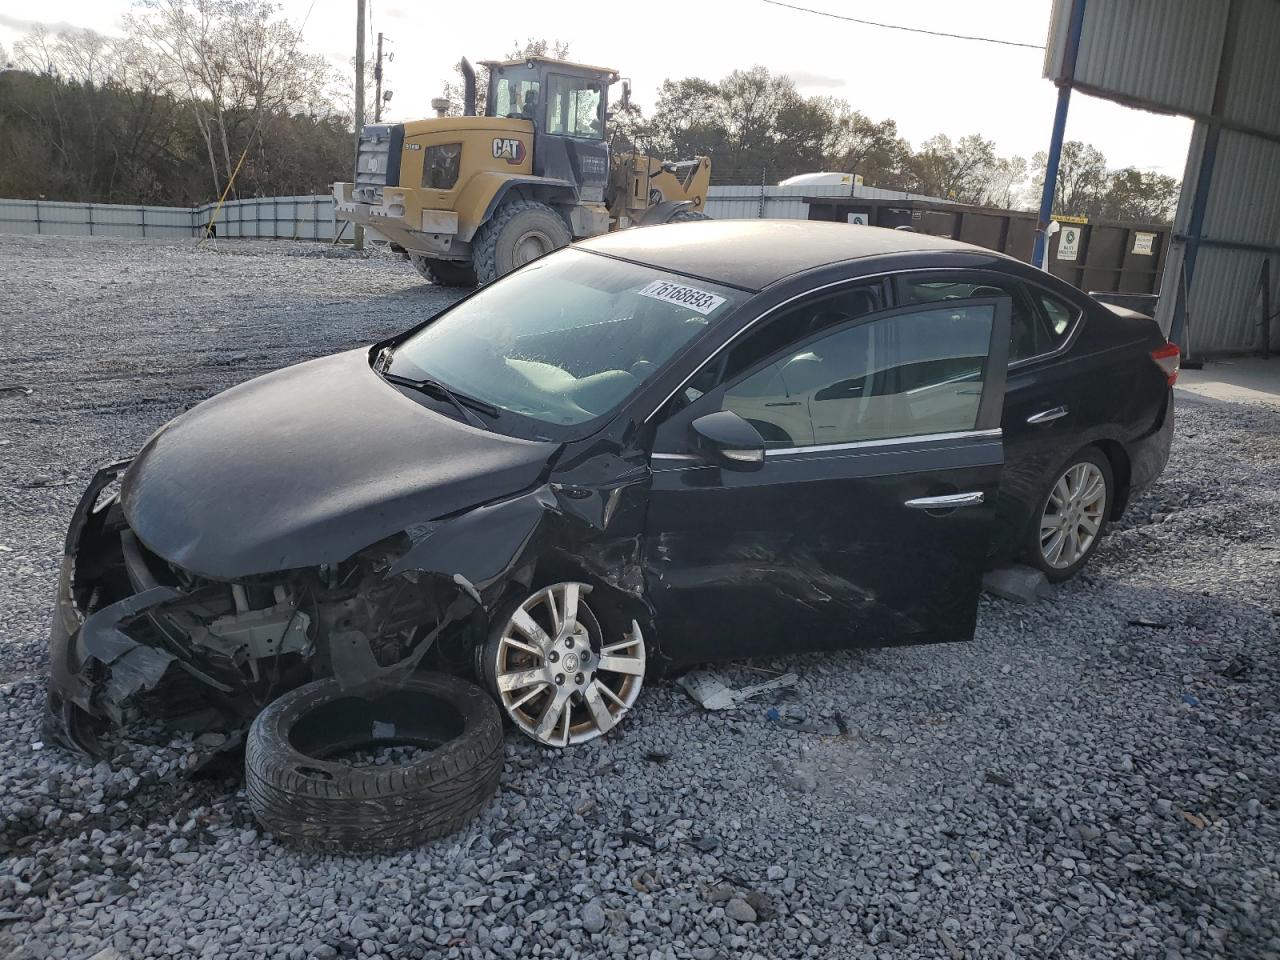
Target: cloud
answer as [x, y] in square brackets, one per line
[806, 78]
[22, 26]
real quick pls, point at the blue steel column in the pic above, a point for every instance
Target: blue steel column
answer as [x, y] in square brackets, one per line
[1195, 225]
[1204, 177]
[1039, 251]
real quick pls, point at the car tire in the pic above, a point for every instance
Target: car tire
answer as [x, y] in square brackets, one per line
[302, 794]
[444, 273]
[518, 233]
[1092, 466]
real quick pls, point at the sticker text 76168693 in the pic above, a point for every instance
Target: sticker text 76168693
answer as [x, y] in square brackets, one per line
[691, 297]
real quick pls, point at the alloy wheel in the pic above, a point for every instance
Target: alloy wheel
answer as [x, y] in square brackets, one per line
[556, 677]
[1073, 515]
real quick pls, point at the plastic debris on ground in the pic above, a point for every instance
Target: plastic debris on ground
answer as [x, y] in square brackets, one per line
[710, 692]
[1019, 583]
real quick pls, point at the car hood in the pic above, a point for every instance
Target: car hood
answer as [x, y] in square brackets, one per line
[307, 465]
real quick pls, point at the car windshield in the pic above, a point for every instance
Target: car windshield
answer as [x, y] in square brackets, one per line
[563, 340]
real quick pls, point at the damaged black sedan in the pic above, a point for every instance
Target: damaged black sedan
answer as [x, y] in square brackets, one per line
[650, 450]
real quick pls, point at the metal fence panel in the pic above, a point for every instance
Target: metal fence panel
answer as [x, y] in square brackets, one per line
[754, 201]
[285, 218]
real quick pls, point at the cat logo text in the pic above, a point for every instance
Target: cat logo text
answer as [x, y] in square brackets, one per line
[510, 150]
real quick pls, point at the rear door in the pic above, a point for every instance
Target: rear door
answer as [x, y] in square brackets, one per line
[868, 522]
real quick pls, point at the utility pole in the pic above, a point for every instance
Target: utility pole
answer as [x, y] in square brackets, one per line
[358, 238]
[377, 77]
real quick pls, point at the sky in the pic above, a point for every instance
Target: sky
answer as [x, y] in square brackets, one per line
[927, 84]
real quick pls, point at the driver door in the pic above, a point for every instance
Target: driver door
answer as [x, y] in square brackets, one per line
[868, 521]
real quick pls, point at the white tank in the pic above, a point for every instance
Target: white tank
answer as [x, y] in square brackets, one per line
[822, 180]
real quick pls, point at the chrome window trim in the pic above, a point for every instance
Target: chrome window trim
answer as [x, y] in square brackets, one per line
[770, 452]
[885, 442]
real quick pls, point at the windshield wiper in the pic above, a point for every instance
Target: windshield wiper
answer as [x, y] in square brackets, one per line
[464, 404]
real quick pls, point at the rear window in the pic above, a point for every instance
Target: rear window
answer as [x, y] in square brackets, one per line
[1059, 314]
[1029, 334]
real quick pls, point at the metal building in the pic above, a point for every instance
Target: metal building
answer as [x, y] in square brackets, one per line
[1218, 62]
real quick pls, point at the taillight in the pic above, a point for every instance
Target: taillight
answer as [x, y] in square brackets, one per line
[1168, 358]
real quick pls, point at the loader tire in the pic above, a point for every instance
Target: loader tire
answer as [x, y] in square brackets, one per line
[688, 216]
[519, 231]
[444, 273]
[301, 791]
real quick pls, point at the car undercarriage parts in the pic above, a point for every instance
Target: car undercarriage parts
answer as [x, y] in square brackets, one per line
[313, 777]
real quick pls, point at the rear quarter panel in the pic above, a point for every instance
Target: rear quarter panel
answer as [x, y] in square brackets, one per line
[1115, 396]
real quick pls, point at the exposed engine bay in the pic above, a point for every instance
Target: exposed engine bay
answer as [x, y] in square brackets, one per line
[131, 618]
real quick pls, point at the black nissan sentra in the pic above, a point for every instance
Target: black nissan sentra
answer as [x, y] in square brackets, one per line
[652, 449]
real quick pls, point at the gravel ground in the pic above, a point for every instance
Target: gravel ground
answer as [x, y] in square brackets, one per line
[1070, 784]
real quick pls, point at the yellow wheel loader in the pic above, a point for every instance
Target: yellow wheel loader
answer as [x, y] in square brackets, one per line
[470, 198]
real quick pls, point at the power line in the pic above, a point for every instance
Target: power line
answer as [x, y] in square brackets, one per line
[894, 26]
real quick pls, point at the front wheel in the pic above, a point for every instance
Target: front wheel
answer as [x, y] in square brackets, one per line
[519, 232]
[1072, 516]
[560, 675]
[688, 216]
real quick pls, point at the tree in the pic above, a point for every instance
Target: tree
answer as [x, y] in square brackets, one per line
[1005, 179]
[1139, 195]
[753, 124]
[232, 62]
[1082, 179]
[1086, 188]
[92, 118]
[873, 149]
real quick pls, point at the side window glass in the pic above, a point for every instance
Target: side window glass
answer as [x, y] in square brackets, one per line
[1060, 315]
[801, 322]
[574, 107]
[901, 376]
[1027, 334]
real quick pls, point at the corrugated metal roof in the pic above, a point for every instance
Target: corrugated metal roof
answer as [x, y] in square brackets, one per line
[1253, 80]
[1165, 54]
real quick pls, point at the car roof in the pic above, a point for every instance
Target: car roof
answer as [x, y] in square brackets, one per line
[752, 254]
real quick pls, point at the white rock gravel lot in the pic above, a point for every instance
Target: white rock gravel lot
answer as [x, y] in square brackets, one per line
[1067, 785]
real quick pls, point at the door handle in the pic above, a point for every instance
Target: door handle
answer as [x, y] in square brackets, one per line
[948, 501]
[1048, 416]
[784, 403]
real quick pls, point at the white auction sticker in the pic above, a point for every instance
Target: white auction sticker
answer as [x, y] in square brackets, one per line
[690, 297]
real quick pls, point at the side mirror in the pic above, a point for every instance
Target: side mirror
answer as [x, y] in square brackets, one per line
[728, 441]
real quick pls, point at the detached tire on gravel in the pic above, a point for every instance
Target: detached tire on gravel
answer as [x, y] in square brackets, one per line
[301, 791]
[519, 231]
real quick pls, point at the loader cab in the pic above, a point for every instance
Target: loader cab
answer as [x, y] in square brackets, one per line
[566, 103]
